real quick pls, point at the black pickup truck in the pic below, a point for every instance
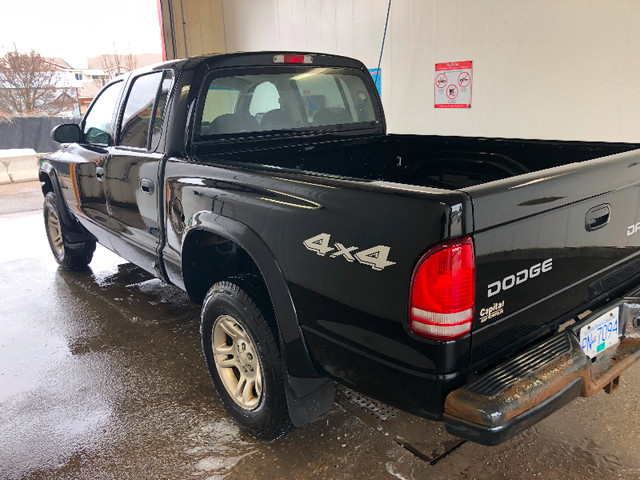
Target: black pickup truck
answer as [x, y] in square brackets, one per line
[483, 282]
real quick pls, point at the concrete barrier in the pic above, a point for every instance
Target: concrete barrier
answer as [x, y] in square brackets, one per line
[18, 165]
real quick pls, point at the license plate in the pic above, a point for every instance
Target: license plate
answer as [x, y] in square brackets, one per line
[600, 334]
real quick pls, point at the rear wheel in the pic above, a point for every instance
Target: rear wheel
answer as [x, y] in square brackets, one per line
[243, 357]
[60, 248]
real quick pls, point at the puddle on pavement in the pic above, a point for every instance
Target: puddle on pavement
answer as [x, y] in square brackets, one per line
[118, 274]
[219, 446]
[22, 347]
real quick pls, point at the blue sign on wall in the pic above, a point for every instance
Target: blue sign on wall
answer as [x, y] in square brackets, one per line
[376, 73]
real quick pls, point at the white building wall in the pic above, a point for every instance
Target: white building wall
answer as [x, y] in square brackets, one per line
[551, 69]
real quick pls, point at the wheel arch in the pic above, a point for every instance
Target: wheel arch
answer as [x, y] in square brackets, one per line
[248, 241]
[308, 394]
[49, 183]
[45, 182]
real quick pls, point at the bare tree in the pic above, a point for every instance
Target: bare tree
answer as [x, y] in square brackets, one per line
[31, 86]
[115, 64]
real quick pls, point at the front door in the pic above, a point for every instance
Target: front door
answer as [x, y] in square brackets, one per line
[82, 165]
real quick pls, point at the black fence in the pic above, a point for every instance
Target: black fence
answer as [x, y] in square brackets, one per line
[31, 132]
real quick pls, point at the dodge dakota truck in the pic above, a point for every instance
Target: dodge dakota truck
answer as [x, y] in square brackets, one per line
[481, 282]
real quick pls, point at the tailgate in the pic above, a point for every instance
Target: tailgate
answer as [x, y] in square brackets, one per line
[550, 245]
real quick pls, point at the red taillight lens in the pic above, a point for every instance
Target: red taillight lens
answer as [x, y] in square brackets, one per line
[292, 58]
[443, 291]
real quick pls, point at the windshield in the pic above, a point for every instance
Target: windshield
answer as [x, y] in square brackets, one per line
[300, 98]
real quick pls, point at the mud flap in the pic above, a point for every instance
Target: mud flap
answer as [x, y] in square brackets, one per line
[308, 398]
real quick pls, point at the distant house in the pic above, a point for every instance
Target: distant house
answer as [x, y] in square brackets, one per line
[66, 97]
[76, 77]
[85, 83]
[114, 64]
[87, 92]
[73, 89]
[45, 93]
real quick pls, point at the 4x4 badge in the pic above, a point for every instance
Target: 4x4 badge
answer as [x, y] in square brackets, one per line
[375, 257]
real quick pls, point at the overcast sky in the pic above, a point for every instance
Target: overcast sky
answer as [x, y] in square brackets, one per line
[77, 29]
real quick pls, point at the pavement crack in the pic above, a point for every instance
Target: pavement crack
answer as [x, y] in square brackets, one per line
[427, 458]
[448, 452]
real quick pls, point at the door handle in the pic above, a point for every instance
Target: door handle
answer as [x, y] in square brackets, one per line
[146, 185]
[597, 217]
[100, 174]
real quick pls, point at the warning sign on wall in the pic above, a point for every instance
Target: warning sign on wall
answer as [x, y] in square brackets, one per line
[453, 85]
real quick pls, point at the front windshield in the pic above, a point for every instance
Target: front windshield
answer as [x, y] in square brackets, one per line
[300, 98]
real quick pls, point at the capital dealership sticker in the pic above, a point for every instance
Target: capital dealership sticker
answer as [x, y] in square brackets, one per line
[493, 311]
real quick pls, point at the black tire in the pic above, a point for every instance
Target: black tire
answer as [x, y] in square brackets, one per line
[244, 302]
[56, 233]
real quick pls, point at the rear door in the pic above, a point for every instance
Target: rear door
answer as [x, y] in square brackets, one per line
[550, 245]
[133, 188]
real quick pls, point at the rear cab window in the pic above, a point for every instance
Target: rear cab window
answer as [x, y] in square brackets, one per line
[281, 101]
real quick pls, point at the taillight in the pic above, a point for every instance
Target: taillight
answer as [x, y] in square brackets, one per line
[292, 58]
[443, 291]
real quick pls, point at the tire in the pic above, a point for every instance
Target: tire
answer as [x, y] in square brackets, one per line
[56, 233]
[242, 353]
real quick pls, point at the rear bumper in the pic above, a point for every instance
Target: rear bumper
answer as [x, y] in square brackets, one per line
[524, 390]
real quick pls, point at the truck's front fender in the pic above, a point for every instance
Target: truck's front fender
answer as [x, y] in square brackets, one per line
[73, 232]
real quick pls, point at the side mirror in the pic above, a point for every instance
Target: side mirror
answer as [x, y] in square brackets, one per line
[66, 133]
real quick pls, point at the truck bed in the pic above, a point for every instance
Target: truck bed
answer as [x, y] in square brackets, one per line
[431, 161]
[531, 199]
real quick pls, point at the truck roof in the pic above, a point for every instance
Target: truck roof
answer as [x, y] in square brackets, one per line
[247, 59]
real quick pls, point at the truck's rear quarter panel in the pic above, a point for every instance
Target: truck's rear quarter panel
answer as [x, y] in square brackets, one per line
[354, 317]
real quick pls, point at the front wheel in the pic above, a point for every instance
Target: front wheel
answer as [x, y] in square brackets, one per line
[243, 357]
[64, 255]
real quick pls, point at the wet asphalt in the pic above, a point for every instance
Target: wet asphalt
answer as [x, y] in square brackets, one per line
[101, 377]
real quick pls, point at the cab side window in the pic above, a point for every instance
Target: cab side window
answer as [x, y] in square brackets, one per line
[138, 111]
[165, 89]
[98, 123]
